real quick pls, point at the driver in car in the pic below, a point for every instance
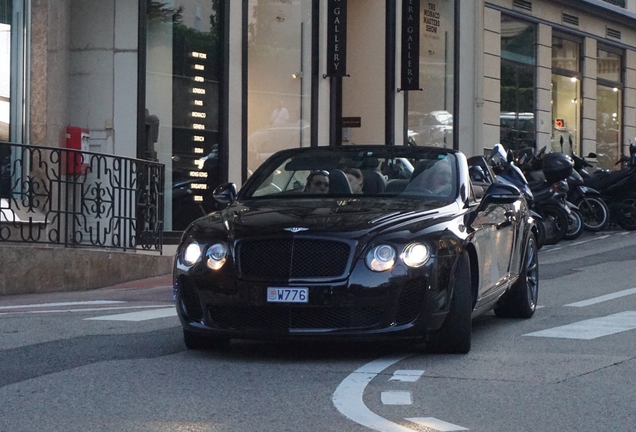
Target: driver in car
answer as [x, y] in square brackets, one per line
[317, 182]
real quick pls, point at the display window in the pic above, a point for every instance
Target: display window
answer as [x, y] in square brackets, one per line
[183, 94]
[566, 95]
[518, 76]
[430, 108]
[279, 53]
[609, 103]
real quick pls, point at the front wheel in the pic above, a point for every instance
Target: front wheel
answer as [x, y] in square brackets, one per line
[626, 214]
[575, 225]
[555, 220]
[455, 334]
[521, 300]
[595, 213]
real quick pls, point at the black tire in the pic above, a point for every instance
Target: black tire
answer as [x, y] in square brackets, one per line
[521, 300]
[596, 214]
[198, 341]
[626, 214]
[575, 225]
[555, 221]
[454, 337]
[541, 234]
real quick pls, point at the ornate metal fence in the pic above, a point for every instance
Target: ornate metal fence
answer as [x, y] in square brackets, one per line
[73, 198]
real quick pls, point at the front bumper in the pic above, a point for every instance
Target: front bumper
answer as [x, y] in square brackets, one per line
[399, 307]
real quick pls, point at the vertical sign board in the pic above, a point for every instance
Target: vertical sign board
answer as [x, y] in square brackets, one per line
[337, 38]
[199, 124]
[410, 45]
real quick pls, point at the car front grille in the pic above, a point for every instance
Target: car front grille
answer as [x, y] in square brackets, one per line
[291, 258]
[190, 299]
[293, 318]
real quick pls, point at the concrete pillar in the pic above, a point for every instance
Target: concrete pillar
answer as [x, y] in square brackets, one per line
[544, 86]
[589, 112]
[492, 77]
[629, 101]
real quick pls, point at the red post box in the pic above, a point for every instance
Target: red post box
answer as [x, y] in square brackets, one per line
[76, 139]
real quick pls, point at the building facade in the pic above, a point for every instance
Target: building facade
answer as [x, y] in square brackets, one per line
[210, 88]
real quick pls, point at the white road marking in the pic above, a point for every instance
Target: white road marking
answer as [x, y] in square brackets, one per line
[438, 425]
[587, 241]
[59, 304]
[396, 397]
[603, 298]
[138, 316]
[406, 375]
[81, 310]
[348, 396]
[592, 328]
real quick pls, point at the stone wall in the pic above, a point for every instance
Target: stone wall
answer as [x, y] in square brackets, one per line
[38, 269]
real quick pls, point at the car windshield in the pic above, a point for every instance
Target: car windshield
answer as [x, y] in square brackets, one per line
[378, 171]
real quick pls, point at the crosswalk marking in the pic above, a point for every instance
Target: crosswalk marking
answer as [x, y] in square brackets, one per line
[436, 424]
[592, 328]
[603, 298]
[406, 375]
[60, 304]
[80, 310]
[396, 397]
[138, 316]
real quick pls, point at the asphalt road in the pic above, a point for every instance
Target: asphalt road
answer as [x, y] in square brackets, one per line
[114, 360]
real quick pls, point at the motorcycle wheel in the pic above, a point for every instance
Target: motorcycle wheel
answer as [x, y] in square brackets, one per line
[575, 225]
[555, 220]
[595, 213]
[626, 214]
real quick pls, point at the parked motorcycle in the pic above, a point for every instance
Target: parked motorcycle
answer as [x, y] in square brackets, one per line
[617, 189]
[544, 198]
[595, 212]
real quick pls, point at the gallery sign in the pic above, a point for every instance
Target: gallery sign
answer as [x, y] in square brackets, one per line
[337, 38]
[410, 45]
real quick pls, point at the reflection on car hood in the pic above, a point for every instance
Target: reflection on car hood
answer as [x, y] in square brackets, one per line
[260, 217]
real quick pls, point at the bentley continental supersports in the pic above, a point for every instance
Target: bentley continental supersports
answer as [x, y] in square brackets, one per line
[358, 242]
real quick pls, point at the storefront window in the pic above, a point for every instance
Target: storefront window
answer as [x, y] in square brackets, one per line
[183, 73]
[566, 95]
[279, 77]
[609, 102]
[517, 116]
[430, 112]
[5, 67]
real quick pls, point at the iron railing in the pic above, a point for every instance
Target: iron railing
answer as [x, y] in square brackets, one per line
[80, 199]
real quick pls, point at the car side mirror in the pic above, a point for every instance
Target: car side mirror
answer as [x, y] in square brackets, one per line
[225, 193]
[500, 193]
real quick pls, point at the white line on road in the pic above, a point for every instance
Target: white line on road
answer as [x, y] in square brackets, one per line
[396, 397]
[348, 396]
[406, 375]
[59, 304]
[438, 425]
[603, 298]
[592, 328]
[139, 316]
[81, 310]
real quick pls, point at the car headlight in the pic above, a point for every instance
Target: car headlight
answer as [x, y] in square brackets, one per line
[192, 253]
[416, 254]
[217, 255]
[381, 258]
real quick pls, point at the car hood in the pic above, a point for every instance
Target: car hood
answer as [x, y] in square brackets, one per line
[346, 217]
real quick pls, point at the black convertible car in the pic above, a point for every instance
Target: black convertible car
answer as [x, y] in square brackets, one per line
[358, 242]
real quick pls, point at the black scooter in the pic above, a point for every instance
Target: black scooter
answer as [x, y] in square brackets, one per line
[617, 188]
[596, 213]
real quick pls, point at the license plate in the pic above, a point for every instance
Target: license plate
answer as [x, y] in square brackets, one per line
[287, 295]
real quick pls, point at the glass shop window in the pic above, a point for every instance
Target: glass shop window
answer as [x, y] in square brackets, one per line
[518, 76]
[183, 79]
[430, 111]
[609, 107]
[279, 77]
[566, 95]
